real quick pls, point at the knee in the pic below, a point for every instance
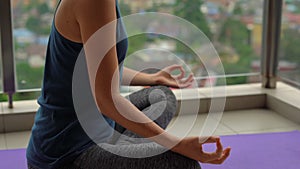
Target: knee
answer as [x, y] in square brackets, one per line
[168, 96]
[167, 91]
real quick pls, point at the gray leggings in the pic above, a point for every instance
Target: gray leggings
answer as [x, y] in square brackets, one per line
[159, 104]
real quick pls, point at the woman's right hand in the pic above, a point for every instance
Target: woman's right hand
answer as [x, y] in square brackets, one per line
[192, 147]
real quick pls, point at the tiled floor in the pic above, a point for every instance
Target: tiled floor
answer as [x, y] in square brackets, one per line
[17, 139]
[232, 122]
[14, 140]
[235, 122]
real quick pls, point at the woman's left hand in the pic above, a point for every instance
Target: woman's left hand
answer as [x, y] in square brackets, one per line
[164, 77]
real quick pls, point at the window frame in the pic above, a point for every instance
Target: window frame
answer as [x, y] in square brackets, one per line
[271, 27]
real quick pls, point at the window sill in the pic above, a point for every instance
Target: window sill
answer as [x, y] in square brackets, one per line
[284, 100]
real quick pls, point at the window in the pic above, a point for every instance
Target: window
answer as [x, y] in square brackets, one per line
[1, 84]
[234, 28]
[31, 27]
[289, 54]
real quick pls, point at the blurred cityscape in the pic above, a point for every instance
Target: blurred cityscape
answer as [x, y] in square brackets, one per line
[233, 26]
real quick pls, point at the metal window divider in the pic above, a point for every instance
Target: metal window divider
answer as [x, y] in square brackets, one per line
[270, 43]
[7, 50]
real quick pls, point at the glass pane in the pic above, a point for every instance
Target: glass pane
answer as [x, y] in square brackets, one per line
[31, 26]
[233, 27]
[2, 96]
[1, 83]
[289, 55]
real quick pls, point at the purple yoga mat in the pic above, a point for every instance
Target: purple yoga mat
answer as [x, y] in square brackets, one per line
[260, 151]
[249, 151]
[13, 159]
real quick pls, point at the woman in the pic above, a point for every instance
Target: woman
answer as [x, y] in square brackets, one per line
[58, 140]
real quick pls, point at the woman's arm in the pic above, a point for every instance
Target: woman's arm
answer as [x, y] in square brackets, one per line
[162, 77]
[92, 15]
[134, 78]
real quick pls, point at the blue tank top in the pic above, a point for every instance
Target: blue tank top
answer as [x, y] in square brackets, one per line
[57, 136]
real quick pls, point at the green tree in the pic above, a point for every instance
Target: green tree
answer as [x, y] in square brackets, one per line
[135, 43]
[28, 77]
[190, 10]
[37, 26]
[236, 35]
[31, 5]
[238, 9]
[43, 8]
[3, 97]
[32, 24]
[289, 46]
[125, 8]
[26, 96]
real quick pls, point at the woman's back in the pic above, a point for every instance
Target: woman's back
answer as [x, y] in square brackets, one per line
[57, 136]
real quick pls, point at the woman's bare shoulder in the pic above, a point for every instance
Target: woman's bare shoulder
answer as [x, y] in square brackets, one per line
[94, 14]
[65, 21]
